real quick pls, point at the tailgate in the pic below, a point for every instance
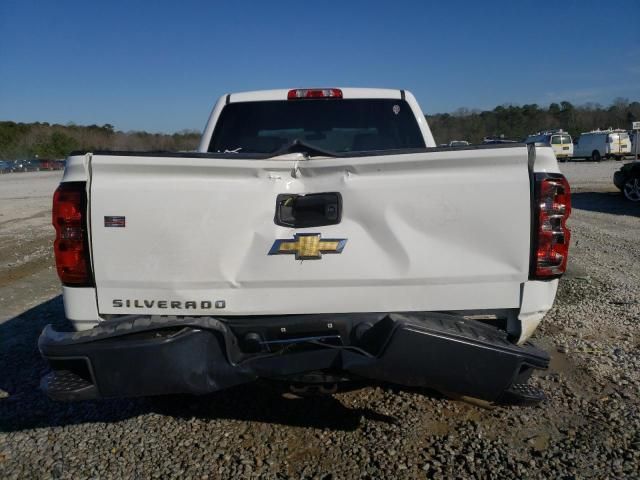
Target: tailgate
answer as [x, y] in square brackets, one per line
[436, 230]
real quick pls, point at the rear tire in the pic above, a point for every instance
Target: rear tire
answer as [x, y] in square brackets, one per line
[595, 156]
[631, 188]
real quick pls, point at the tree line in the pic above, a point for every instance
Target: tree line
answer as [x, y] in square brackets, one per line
[516, 122]
[53, 141]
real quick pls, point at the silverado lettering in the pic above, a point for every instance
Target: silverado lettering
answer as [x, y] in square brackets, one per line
[177, 304]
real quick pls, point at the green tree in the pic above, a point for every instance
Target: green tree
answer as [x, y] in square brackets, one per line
[57, 145]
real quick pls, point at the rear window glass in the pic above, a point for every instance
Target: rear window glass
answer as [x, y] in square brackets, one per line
[340, 126]
[560, 139]
[616, 137]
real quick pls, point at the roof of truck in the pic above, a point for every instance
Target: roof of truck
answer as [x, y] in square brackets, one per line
[347, 93]
[603, 132]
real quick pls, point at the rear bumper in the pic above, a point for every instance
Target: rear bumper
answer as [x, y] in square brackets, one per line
[161, 355]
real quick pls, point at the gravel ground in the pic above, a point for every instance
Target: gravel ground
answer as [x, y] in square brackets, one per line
[588, 428]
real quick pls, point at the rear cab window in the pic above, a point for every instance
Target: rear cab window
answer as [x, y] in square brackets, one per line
[336, 125]
[560, 139]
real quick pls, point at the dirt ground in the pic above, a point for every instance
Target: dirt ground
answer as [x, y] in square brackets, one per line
[588, 428]
[27, 268]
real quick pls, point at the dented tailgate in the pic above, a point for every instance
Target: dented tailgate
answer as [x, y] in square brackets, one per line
[434, 230]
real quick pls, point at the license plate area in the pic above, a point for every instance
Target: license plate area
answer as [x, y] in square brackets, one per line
[271, 334]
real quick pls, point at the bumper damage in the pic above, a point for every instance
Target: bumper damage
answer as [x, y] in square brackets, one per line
[137, 356]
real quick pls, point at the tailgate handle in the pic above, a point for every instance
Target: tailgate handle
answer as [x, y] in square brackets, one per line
[311, 210]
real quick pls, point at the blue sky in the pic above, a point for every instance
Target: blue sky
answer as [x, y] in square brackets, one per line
[159, 66]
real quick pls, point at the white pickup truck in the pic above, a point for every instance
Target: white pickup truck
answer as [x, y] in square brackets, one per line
[318, 238]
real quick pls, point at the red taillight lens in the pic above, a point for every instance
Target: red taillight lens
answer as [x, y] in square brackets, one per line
[301, 93]
[553, 207]
[71, 245]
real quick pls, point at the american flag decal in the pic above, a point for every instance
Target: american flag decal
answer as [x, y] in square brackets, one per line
[114, 221]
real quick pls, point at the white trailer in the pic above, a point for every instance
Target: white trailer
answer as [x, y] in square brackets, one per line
[559, 140]
[599, 144]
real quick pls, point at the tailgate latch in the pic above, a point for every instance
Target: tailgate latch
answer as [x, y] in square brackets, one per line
[312, 210]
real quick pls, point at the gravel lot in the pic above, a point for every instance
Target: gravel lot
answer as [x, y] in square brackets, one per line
[588, 428]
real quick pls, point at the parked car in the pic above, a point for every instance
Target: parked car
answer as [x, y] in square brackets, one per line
[6, 166]
[599, 144]
[26, 165]
[559, 140]
[32, 165]
[458, 143]
[497, 140]
[627, 179]
[18, 166]
[51, 164]
[315, 238]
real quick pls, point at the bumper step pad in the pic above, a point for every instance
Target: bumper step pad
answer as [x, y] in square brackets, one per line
[66, 385]
[159, 355]
[522, 394]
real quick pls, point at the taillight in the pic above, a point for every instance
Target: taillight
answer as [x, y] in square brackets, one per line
[552, 209]
[71, 246]
[300, 93]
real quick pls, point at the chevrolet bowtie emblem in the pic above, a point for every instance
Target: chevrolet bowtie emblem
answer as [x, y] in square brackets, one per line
[307, 246]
